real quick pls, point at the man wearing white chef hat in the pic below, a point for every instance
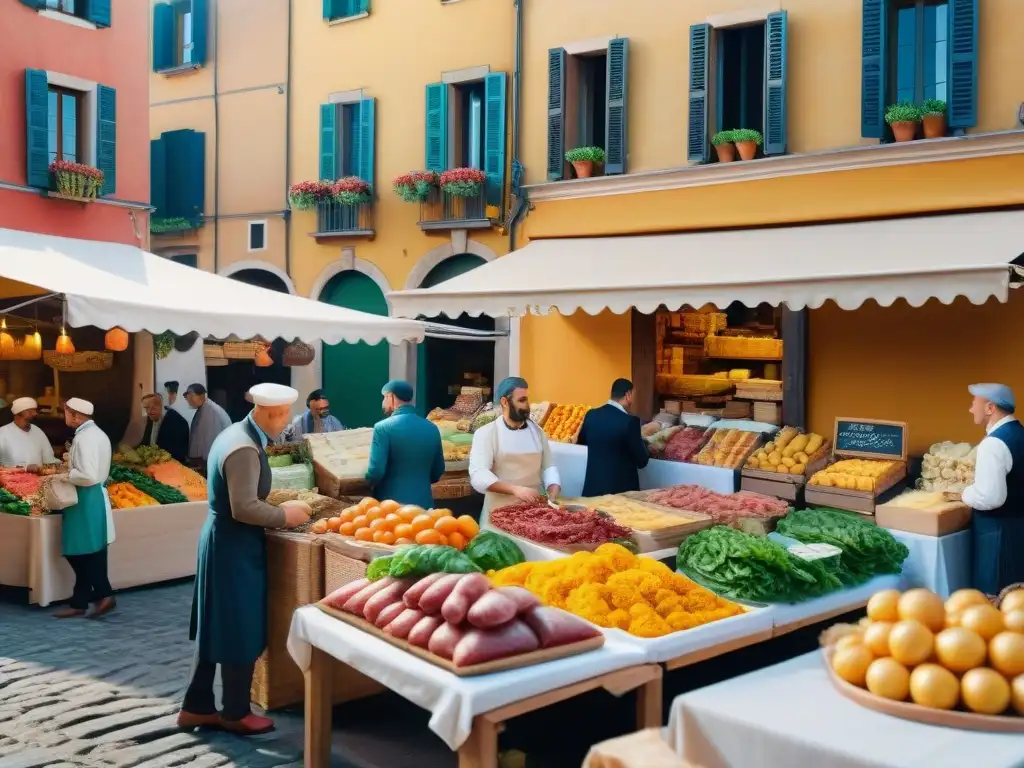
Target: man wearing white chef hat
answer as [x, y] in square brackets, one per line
[229, 606]
[88, 526]
[22, 443]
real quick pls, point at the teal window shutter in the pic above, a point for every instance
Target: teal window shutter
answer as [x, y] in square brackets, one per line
[193, 163]
[337, 9]
[362, 6]
[328, 142]
[200, 24]
[873, 51]
[556, 113]
[963, 63]
[697, 121]
[35, 4]
[106, 132]
[163, 36]
[37, 145]
[436, 150]
[775, 127]
[367, 140]
[158, 177]
[98, 12]
[495, 127]
[616, 139]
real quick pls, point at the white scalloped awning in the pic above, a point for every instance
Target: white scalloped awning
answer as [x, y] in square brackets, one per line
[111, 284]
[915, 259]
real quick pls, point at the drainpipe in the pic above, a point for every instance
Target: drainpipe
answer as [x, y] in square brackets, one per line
[216, 138]
[288, 147]
[517, 87]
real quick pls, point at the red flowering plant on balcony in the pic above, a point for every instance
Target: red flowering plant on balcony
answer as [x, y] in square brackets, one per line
[77, 179]
[351, 190]
[415, 186]
[304, 195]
[463, 182]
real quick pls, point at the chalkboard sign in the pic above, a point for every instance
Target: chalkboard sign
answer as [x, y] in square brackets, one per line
[870, 439]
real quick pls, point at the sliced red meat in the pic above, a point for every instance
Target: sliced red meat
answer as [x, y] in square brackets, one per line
[438, 592]
[492, 610]
[415, 592]
[523, 598]
[381, 600]
[340, 596]
[424, 629]
[357, 602]
[445, 638]
[481, 645]
[557, 627]
[466, 592]
[402, 624]
[389, 614]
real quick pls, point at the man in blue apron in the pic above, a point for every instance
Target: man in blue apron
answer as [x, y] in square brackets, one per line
[997, 493]
[229, 606]
[87, 526]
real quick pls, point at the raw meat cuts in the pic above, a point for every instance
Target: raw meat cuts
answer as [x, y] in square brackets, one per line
[723, 509]
[492, 610]
[524, 598]
[481, 645]
[381, 600]
[557, 627]
[445, 638]
[425, 627]
[466, 593]
[403, 624]
[340, 596]
[412, 597]
[389, 614]
[547, 525]
[684, 443]
[357, 602]
[434, 597]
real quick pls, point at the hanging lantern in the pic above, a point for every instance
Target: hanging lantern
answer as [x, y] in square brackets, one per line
[6, 340]
[116, 340]
[298, 353]
[32, 346]
[64, 344]
[263, 358]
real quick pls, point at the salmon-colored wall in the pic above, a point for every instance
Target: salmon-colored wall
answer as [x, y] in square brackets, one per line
[35, 213]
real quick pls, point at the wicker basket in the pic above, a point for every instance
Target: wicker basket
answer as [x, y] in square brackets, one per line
[242, 350]
[213, 351]
[78, 362]
[452, 486]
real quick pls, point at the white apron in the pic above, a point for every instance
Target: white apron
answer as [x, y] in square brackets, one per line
[513, 468]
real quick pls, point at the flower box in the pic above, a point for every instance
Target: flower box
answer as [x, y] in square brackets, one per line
[415, 186]
[463, 182]
[305, 195]
[76, 181]
[351, 190]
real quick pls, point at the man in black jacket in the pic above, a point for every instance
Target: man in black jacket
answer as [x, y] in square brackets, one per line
[165, 428]
[615, 448]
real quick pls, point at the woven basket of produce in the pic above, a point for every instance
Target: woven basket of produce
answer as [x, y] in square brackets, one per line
[242, 350]
[452, 487]
[297, 354]
[78, 362]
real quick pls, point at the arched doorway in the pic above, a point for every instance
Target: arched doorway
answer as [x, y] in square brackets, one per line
[353, 374]
[442, 364]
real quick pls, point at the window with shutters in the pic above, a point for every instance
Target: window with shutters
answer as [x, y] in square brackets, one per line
[918, 51]
[63, 134]
[337, 10]
[348, 140]
[591, 91]
[740, 92]
[467, 125]
[70, 7]
[183, 43]
[177, 176]
[179, 35]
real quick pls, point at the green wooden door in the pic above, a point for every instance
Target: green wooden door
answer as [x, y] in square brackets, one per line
[353, 374]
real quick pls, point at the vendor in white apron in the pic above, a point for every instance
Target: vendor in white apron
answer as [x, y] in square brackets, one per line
[510, 461]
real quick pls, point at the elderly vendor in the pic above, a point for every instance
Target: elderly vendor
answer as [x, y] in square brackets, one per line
[22, 443]
[510, 460]
[997, 493]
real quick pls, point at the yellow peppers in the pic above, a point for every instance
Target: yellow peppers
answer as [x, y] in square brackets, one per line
[127, 496]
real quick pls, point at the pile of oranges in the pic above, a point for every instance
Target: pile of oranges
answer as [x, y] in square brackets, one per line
[388, 522]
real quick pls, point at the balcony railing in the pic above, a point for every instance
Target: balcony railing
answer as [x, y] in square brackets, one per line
[444, 211]
[340, 220]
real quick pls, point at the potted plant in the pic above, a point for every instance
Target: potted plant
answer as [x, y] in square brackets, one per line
[903, 118]
[351, 190]
[463, 182]
[77, 179]
[747, 141]
[415, 186]
[305, 195]
[722, 142]
[933, 118]
[584, 159]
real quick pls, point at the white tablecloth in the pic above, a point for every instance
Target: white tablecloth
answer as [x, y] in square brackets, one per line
[837, 602]
[790, 716]
[452, 701]
[939, 563]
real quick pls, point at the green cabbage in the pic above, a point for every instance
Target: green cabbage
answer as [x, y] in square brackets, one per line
[424, 559]
[491, 551]
[284, 460]
[378, 568]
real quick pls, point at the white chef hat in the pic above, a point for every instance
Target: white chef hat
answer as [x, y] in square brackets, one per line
[23, 404]
[79, 405]
[273, 394]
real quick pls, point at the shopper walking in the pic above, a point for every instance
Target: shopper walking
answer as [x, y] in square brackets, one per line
[615, 447]
[208, 422]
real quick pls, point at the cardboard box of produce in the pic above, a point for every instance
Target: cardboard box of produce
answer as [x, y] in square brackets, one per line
[913, 513]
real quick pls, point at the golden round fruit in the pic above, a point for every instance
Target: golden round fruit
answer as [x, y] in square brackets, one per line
[959, 649]
[883, 605]
[924, 606]
[986, 620]
[985, 691]
[889, 679]
[1014, 620]
[911, 642]
[848, 641]
[934, 686]
[876, 637]
[852, 663]
[1017, 693]
[953, 618]
[964, 598]
[1014, 601]
[1006, 653]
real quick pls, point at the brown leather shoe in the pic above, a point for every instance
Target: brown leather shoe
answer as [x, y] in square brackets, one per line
[250, 725]
[103, 607]
[189, 721]
[68, 613]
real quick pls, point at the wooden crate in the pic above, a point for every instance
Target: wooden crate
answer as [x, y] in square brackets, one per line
[787, 486]
[863, 502]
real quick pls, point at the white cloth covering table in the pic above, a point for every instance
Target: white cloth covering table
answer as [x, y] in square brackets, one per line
[789, 715]
[939, 563]
[798, 615]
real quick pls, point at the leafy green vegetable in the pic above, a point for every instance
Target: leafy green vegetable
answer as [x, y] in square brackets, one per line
[13, 505]
[627, 544]
[745, 567]
[165, 494]
[424, 559]
[280, 461]
[491, 551]
[378, 568]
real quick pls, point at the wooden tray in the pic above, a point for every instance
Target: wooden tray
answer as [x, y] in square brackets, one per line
[817, 462]
[498, 665]
[358, 550]
[856, 501]
[967, 721]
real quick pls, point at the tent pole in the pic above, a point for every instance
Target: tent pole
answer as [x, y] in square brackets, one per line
[36, 300]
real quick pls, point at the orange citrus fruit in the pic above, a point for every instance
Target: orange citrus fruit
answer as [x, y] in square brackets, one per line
[373, 513]
[378, 525]
[403, 531]
[428, 536]
[446, 525]
[422, 523]
[392, 520]
[347, 529]
[364, 534]
[437, 514]
[388, 505]
[384, 537]
[468, 527]
[333, 524]
[360, 521]
[402, 540]
[366, 503]
[457, 540]
[410, 512]
[320, 526]
[349, 515]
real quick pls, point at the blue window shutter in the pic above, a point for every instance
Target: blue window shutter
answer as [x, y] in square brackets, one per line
[200, 24]
[163, 36]
[36, 4]
[337, 9]
[328, 142]
[775, 126]
[697, 122]
[362, 6]
[98, 12]
[37, 145]
[873, 63]
[106, 133]
[616, 139]
[193, 162]
[436, 150]
[158, 177]
[963, 63]
[556, 113]
[495, 127]
[367, 140]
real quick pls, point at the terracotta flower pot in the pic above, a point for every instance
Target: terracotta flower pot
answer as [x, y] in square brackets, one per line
[584, 168]
[934, 125]
[747, 149]
[904, 130]
[726, 152]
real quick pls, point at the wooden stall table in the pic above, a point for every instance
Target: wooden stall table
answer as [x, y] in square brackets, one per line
[466, 712]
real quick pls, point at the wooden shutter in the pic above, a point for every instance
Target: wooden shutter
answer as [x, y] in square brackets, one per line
[193, 162]
[873, 68]
[163, 36]
[328, 142]
[106, 132]
[616, 140]
[367, 140]
[697, 123]
[495, 87]
[37, 145]
[963, 63]
[436, 149]
[98, 12]
[158, 177]
[775, 83]
[200, 25]
[556, 113]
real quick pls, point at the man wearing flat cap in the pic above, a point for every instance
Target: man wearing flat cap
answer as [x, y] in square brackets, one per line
[208, 421]
[22, 443]
[229, 605]
[997, 493]
[406, 457]
[317, 419]
[510, 460]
